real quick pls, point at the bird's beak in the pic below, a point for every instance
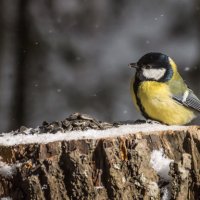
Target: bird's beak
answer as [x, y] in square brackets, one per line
[133, 65]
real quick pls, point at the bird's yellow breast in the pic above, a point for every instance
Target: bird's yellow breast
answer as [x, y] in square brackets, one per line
[155, 97]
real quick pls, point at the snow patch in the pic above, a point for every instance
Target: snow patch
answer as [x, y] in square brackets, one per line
[6, 198]
[166, 193]
[160, 163]
[7, 171]
[9, 139]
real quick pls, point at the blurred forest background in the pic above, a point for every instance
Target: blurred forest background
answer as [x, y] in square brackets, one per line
[63, 56]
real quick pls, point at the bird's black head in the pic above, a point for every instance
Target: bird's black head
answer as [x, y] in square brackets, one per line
[153, 67]
[157, 60]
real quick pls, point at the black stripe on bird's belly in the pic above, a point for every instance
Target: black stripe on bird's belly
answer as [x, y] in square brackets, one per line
[136, 85]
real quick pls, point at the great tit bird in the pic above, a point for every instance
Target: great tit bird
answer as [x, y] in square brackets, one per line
[160, 93]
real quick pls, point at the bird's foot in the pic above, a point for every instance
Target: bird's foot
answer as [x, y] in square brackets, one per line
[119, 123]
[149, 121]
[139, 121]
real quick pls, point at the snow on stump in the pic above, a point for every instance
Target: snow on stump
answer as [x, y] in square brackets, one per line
[145, 161]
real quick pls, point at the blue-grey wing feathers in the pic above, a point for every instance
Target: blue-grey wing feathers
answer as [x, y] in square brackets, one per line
[188, 99]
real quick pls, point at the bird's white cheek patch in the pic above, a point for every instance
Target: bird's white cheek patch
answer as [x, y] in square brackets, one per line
[155, 74]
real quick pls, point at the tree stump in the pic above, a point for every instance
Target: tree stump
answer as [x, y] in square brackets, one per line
[126, 162]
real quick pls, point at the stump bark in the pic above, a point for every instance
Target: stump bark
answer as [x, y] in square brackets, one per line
[121, 167]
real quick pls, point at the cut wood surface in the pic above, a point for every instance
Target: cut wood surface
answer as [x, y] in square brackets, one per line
[127, 162]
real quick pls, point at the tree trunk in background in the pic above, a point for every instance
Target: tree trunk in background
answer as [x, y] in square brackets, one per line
[21, 51]
[7, 61]
[112, 168]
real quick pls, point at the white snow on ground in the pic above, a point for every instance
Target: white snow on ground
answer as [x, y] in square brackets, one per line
[166, 193]
[7, 170]
[8, 139]
[6, 198]
[160, 163]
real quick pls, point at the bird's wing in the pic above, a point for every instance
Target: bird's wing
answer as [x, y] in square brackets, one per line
[182, 94]
[188, 99]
